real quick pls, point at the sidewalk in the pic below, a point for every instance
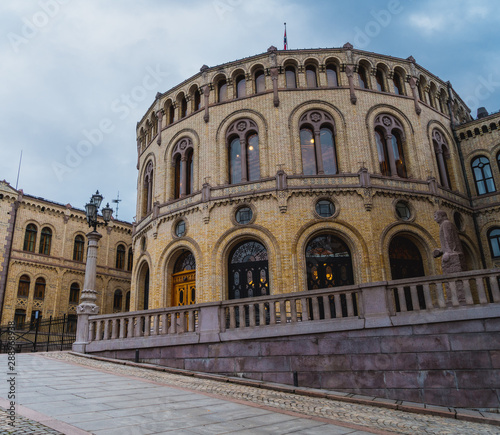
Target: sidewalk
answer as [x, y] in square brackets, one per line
[64, 393]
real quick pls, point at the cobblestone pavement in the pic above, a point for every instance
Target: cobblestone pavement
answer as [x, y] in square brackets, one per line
[368, 416]
[23, 425]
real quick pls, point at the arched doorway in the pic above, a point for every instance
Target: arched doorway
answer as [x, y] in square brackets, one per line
[248, 271]
[328, 263]
[184, 280]
[143, 281]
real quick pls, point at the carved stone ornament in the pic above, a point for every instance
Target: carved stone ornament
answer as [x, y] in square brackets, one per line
[386, 121]
[241, 126]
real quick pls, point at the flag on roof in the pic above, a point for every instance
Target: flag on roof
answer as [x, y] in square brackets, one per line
[285, 44]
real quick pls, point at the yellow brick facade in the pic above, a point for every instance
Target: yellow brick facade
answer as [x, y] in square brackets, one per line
[283, 199]
[59, 269]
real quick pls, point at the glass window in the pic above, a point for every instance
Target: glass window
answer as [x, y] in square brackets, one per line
[19, 318]
[180, 229]
[494, 239]
[241, 89]
[397, 146]
[127, 301]
[130, 259]
[39, 289]
[291, 79]
[398, 86]
[403, 210]
[483, 176]
[328, 151]
[380, 81]
[458, 220]
[24, 287]
[177, 177]
[117, 300]
[30, 238]
[74, 293]
[308, 152]
[331, 75]
[325, 208]
[248, 271]
[78, 248]
[363, 80]
[189, 171]
[260, 81]
[185, 262]
[382, 153]
[197, 100]
[222, 87]
[244, 215]
[235, 161]
[120, 257]
[311, 78]
[45, 241]
[253, 163]
[184, 107]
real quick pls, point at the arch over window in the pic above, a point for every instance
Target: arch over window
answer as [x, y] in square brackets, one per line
[117, 301]
[147, 189]
[39, 289]
[78, 247]
[442, 153]
[74, 293]
[290, 77]
[120, 256]
[328, 262]
[317, 143]
[222, 90]
[494, 242]
[23, 289]
[260, 81]
[362, 77]
[311, 77]
[483, 177]
[182, 161]
[248, 270]
[185, 262]
[45, 241]
[30, 238]
[130, 259]
[242, 139]
[389, 137]
[332, 75]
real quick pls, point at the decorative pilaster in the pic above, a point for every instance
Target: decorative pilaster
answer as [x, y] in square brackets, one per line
[349, 70]
[413, 86]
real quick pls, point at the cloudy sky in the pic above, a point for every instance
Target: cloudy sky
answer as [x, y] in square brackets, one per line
[79, 74]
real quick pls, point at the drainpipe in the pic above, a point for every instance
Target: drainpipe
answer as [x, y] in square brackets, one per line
[467, 186]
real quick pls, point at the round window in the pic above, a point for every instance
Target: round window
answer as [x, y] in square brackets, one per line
[403, 210]
[180, 228]
[244, 215]
[325, 208]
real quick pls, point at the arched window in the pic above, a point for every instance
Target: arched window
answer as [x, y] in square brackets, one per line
[196, 100]
[248, 271]
[398, 84]
[331, 75]
[260, 81]
[185, 262]
[483, 176]
[242, 138]
[19, 318]
[78, 248]
[23, 290]
[117, 301]
[363, 77]
[39, 289]
[182, 161]
[222, 90]
[380, 80]
[30, 238]
[328, 262]
[171, 114]
[184, 107]
[389, 137]
[291, 78]
[311, 78]
[241, 86]
[147, 191]
[317, 142]
[442, 153]
[74, 293]
[421, 88]
[130, 259]
[127, 301]
[45, 241]
[494, 241]
[120, 257]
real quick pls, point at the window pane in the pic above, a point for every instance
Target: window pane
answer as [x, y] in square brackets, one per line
[241, 87]
[222, 91]
[291, 82]
[189, 169]
[177, 175]
[328, 151]
[382, 153]
[253, 158]
[235, 162]
[397, 147]
[331, 76]
[311, 77]
[362, 78]
[308, 152]
[380, 81]
[260, 82]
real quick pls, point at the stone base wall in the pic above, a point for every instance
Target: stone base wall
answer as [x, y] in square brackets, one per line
[450, 364]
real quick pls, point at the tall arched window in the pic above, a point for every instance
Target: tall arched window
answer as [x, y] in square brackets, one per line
[389, 137]
[39, 289]
[363, 77]
[147, 190]
[248, 271]
[120, 257]
[290, 77]
[23, 290]
[331, 75]
[483, 177]
[182, 161]
[117, 301]
[260, 81]
[398, 83]
[242, 138]
[494, 241]
[442, 153]
[222, 90]
[184, 107]
[74, 293]
[45, 241]
[78, 248]
[241, 86]
[317, 142]
[30, 238]
[328, 262]
[380, 76]
[127, 301]
[311, 78]
[196, 100]
[130, 259]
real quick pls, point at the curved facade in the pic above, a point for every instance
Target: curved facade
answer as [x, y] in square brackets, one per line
[296, 170]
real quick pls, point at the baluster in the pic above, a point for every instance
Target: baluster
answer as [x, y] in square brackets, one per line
[440, 295]
[305, 309]
[156, 325]
[414, 298]
[427, 297]
[402, 299]
[326, 306]
[138, 326]
[262, 314]
[98, 335]
[243, 316]
[480, 291]
[452, 286]
[130, 327]
[147, 325]
[173, 323]
[122, 327]
[232, 317]
[315, 307]
[164, 324]
[92, 331]
[293, 310]
[350, 305]
[114, 328]
[338, 306]
[272, 313]
[465, 286]
[494, 288]
[282, 312]
[191, 320]
[251, 313]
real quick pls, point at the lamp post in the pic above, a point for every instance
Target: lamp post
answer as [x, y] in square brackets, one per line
[88, 297]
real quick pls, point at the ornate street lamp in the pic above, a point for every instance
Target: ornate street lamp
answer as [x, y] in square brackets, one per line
[88, 298]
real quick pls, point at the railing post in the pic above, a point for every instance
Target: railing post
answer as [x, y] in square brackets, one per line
[209, 326]
[494, 288]
[373, 302]
[48, 334]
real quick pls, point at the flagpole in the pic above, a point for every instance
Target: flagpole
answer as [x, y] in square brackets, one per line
[19, 169]
[285, 42]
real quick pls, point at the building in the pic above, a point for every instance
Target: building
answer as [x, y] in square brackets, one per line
[307, 169]
[43, 254]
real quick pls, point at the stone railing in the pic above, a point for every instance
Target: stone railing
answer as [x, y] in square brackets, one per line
[382, 304]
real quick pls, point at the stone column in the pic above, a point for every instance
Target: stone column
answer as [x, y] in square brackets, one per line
[442, 168]
[392, 158]
[88, 297]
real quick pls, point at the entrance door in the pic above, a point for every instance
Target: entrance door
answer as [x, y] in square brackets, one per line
[184, 291]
